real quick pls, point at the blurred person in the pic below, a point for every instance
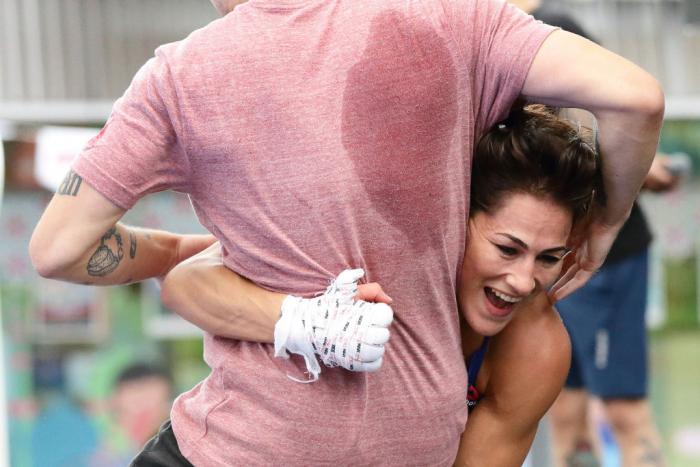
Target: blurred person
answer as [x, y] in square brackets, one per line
[312, 136]
[139, 403]
[606, 322]
[607, 325]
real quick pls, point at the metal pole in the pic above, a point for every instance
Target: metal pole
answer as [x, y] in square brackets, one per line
[4, 440]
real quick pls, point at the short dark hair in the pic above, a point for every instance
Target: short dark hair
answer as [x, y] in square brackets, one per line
[139, 371]
[536, 152]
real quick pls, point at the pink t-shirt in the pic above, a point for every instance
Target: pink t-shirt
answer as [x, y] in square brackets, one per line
[314, 136]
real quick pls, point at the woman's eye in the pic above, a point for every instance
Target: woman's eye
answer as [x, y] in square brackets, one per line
[548, 259]
[507, 250]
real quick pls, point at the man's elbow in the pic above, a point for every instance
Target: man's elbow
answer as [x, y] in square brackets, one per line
[49, 258]
[655, 102]
[649, 100]
[42, 263]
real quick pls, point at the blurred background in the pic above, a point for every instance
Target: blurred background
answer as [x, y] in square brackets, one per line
[89, 373]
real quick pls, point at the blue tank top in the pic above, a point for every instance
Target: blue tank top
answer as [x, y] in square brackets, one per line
[473, 366]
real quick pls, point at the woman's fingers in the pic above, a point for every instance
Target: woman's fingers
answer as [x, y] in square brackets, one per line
[376, 336]
[381, 315]
[371, 353]
[368, 367]
[372, 292]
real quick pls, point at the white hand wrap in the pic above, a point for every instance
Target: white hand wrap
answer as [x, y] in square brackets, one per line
[340, 330]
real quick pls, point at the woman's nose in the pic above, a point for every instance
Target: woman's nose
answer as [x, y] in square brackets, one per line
[522, 278]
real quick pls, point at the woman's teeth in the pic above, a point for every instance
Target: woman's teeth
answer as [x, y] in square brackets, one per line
[505, 298]
[501, 300]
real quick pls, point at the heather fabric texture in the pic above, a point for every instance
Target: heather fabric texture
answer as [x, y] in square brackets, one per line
[313, 137]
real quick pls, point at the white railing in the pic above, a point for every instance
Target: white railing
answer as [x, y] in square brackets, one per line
[76, 55]
[85, 49]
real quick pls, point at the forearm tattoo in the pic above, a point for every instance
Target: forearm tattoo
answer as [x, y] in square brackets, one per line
[70, 184]
[582, 455]
[652, 454]
[105, 260]
[132, 245]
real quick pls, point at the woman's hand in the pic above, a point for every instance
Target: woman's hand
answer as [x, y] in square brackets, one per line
[338, 326]
[373, 292]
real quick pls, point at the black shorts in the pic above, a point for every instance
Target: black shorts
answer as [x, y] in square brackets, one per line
[161, 451]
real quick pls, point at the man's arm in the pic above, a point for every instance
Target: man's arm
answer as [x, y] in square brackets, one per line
[628, 104]
[525, 367]
[79, 240]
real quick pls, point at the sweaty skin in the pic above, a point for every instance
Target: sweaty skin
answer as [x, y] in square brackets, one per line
[523, 371]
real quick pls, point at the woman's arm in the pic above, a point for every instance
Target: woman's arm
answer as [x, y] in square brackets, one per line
[211, 296]
[341, 326]
[525, 368]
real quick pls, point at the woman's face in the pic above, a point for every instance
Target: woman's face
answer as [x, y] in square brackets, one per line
[512, 253]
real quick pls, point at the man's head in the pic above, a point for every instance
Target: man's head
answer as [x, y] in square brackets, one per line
[225, 6]
[141, 400]
[528, 6]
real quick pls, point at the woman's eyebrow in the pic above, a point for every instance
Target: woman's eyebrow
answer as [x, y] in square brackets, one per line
[558, 249]
[524, 245]
[514, 239]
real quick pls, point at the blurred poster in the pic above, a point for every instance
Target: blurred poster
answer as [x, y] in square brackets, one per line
[159, 322]
[56, 147]
[68, 313]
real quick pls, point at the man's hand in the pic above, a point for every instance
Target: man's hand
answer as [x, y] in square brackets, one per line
[590, 256]
[592, 252]
[628, 104]
[190, 245]
[187, 246]
[341, 330]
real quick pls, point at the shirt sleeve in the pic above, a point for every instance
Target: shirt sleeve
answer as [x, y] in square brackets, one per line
[140, 149]
[497, 43]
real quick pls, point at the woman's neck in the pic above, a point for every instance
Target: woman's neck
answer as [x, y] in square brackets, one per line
[470, 339]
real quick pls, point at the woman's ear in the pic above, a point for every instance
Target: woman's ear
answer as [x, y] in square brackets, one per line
[576, 238]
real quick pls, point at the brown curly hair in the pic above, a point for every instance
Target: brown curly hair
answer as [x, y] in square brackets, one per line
[535, 151]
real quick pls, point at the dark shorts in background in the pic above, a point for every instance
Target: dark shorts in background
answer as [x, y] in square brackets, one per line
[606, 322]
[161, 451]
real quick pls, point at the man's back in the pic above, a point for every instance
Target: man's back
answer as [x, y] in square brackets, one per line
[314, 137]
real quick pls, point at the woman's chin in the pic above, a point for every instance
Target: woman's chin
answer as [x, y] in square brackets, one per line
[486, 327]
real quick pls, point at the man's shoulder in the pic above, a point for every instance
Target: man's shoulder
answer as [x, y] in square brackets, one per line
[199, 47]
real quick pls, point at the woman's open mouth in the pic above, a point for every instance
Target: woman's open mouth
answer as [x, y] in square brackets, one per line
[502, 304]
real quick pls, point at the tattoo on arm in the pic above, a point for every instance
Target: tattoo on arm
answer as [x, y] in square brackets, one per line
[105, 260]
[652, 454]
[132, 245]
[70, 184]
[582, 455]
